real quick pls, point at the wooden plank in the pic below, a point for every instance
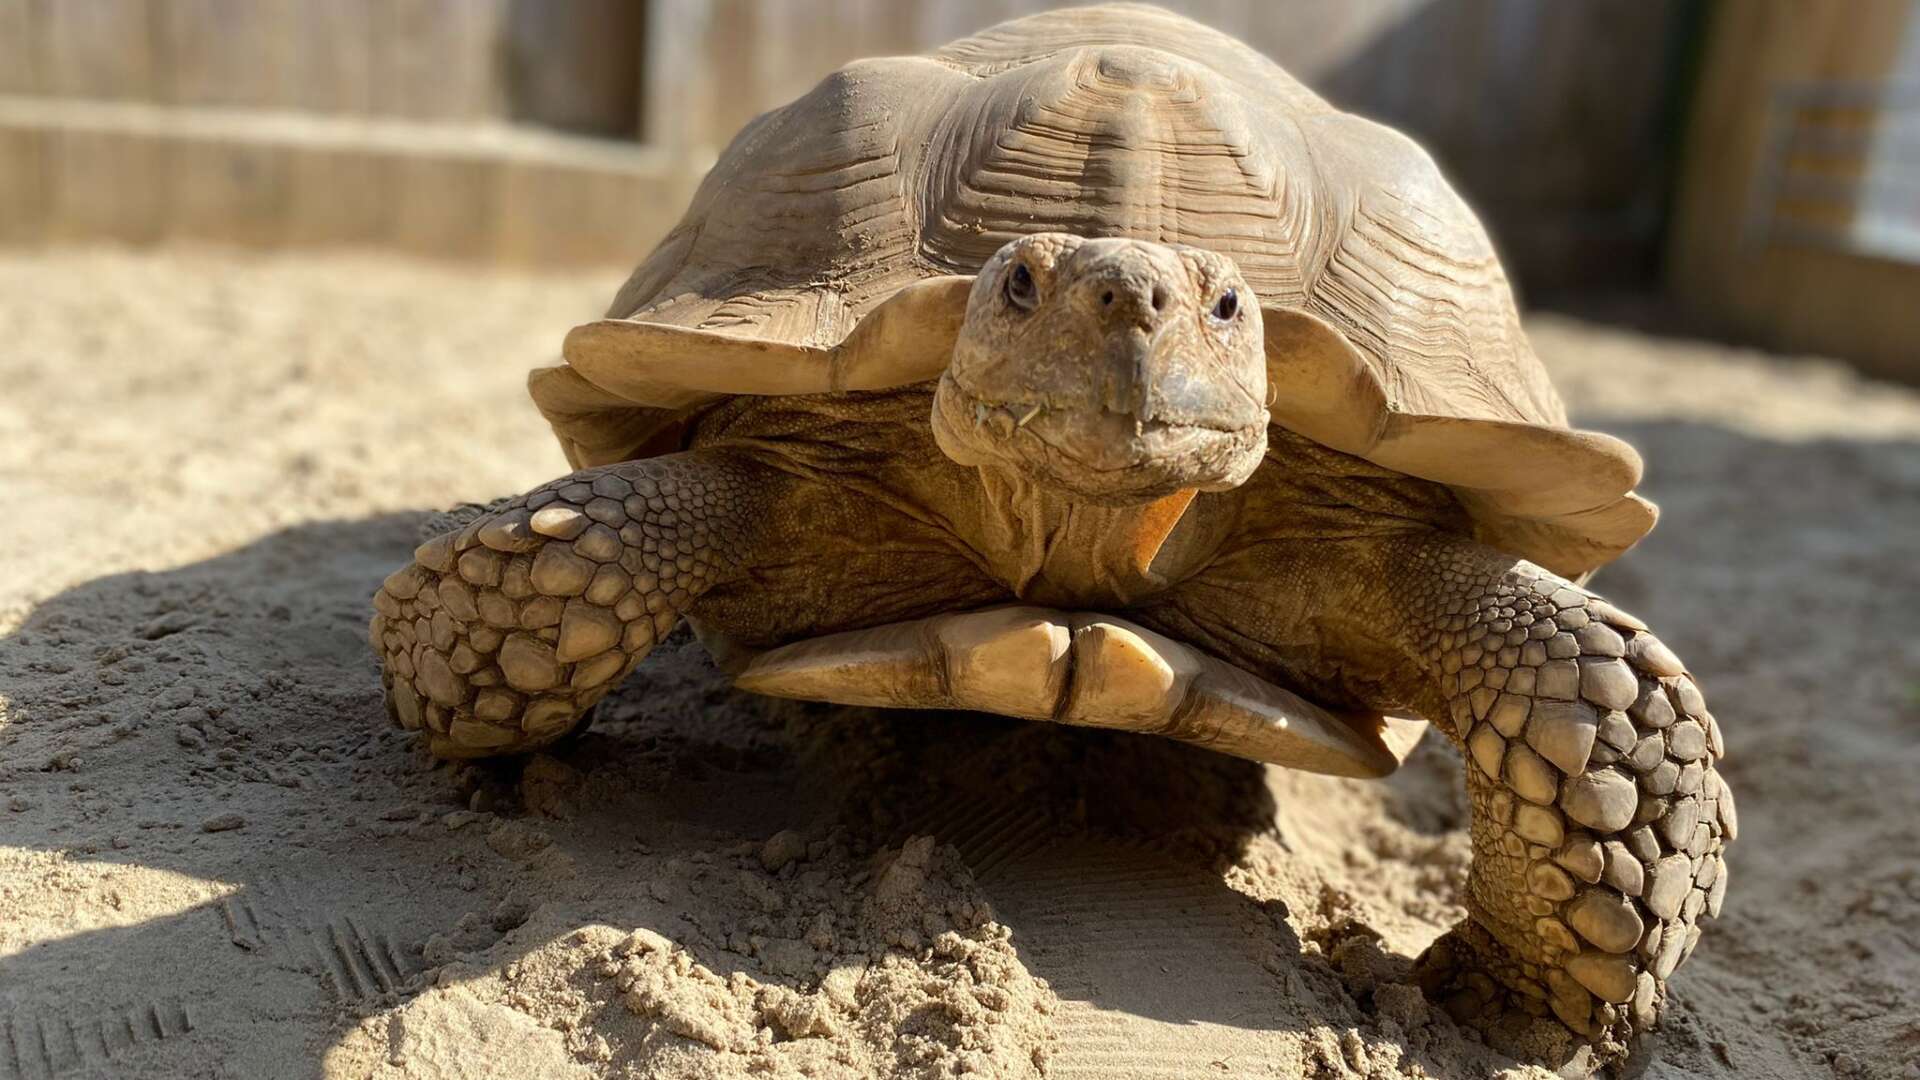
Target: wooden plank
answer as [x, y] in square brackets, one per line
[276, 54]
[677, 83]
[19, 54]
[106, 185]
[273, 54]
[24, 192]
[228, 192]
[448, 207]
[223, 52]
[340, 196]
[1788, 296]
[553, 215]
[438, 59]
[97, 49]
[742, 46]
[330, 68]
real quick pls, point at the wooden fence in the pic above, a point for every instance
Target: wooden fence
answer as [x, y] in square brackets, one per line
[572, 130]
[1798, 219]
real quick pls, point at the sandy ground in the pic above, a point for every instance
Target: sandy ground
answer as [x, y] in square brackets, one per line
[216, 860]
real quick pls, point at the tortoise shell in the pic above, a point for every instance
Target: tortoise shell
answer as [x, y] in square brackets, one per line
[1391, 329]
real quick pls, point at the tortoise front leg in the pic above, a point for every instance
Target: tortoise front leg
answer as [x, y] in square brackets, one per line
[1598, 819]
[499, 636]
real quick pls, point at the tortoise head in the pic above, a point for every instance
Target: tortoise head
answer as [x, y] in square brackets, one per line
[1119, 371]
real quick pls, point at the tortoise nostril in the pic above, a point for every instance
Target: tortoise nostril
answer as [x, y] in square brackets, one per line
[1159, 298]
[1106, 298]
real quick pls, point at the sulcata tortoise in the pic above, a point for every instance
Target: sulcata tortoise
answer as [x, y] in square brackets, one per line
[1093, 370]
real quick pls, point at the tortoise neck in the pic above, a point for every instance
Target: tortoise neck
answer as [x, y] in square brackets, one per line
[1053, 548]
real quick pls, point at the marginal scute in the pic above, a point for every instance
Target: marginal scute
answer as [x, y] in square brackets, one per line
[1014, 662]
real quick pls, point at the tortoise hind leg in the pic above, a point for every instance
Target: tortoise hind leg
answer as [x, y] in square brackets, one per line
[499, 637]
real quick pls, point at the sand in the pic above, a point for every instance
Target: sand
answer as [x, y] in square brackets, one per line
[216, 859]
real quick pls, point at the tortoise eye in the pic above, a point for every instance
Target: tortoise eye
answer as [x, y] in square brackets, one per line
[1021, 291]
[1227, 306]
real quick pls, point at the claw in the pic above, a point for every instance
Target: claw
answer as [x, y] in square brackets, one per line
[1031, 413]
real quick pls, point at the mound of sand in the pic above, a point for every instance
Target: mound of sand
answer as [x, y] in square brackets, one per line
[217, 860]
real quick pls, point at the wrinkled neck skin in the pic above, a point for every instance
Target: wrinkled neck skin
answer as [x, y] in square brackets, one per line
[1053, 548]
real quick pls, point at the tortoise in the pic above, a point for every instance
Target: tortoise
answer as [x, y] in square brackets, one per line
[1093, 370]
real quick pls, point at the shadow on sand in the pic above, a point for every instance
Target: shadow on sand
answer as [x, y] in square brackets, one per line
[199, 767]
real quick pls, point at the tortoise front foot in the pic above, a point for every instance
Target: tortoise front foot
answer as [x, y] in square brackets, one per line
[1490, 988]
[500, 637]
[1599, 820]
